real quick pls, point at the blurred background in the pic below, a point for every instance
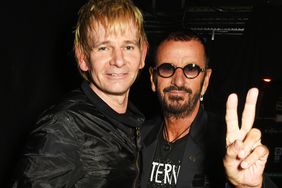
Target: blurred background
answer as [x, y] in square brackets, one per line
[243, 38]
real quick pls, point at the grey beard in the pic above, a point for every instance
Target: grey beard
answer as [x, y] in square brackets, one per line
[179, 111]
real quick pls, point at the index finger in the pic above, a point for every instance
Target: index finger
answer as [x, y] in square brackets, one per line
[249, 111]
[231, 119]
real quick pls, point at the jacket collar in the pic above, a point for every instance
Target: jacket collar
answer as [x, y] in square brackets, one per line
[196, 132]
[198, 127]
[132, 118]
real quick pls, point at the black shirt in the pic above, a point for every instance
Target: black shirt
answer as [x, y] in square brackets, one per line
[167, 162]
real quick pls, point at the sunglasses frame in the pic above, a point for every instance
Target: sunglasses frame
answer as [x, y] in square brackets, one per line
[193, 65]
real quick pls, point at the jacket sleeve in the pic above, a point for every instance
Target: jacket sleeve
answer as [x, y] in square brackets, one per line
[51, 157]
[267, 183]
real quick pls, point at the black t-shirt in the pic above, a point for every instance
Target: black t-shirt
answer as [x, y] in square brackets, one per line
[167, 162]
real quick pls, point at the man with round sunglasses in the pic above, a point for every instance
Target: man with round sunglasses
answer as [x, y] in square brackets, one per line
[188, 146]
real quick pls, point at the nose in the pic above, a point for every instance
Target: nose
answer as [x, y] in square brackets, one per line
[117, 58]
[178, 79]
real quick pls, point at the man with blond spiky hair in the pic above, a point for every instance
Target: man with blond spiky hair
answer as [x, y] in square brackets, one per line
[91, 138]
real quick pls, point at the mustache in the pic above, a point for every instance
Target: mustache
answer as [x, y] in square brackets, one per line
[172, 88]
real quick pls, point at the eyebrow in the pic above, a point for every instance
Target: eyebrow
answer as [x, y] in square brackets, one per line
[131, 42]
[101, 43]
[108, 42]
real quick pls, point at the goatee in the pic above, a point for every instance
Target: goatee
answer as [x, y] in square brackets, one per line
[178, 106]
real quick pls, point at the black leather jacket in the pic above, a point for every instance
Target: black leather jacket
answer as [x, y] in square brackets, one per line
[82, 142]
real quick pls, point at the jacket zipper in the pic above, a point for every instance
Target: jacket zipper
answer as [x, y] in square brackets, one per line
[138, 149]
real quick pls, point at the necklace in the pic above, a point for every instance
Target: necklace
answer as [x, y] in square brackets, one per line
[167, 145]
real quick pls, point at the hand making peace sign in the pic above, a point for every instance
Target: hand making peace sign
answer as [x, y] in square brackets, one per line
[245, 157]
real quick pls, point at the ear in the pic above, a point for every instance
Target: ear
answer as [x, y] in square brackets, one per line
[144, 49]
[153, 79]
[206, 81]
[81, 58]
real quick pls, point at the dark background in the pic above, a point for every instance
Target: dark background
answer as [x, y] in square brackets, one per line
[38, 67]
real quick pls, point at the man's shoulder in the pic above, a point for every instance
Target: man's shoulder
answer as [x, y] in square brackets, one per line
[72, 101]
[73, 104]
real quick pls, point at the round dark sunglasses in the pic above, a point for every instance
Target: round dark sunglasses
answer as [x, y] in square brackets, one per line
[167, 70]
